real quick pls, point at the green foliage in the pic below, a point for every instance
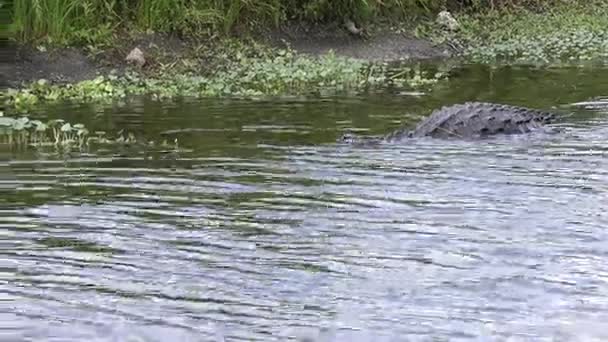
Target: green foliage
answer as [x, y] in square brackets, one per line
[359, 10]
[62, 21]
[69, 21]
[22, 132]
[563, 34]
[5, 16]
[51, 17]
[283, 73]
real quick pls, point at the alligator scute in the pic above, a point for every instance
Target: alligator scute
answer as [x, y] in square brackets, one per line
[469, 120]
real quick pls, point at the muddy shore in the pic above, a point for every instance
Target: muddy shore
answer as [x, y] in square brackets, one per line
[24, 64]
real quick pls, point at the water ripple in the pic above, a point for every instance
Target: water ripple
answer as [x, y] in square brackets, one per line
[493, 240]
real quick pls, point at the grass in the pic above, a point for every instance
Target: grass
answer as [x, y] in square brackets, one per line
[75, 21]
[250, 76]
[574, 32]
[538, 31]
[491, 30]
[66, 21]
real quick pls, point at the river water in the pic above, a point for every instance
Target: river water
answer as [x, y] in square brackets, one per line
[263, 229]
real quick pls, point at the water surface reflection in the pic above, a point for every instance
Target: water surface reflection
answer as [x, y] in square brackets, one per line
[265, 229]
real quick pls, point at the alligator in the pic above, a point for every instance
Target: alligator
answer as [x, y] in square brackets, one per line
[467, 120]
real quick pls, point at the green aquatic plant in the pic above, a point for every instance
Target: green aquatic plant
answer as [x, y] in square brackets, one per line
[283, 73]
[43, 91]
[559, 47]
[22, 132]
[566, 33]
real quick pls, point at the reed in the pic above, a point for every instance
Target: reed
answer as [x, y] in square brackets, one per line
[62, 20]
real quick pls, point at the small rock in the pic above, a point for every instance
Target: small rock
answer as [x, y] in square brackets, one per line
[445, 19]
[352, 28]
[136, 56]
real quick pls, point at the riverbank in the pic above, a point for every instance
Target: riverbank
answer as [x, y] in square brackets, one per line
[28, 63]
[301, 58]
[295, 59]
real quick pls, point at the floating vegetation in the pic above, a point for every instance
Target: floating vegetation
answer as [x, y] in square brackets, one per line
[22, 132]
[283, 74]
[571, 33]
[561, 47]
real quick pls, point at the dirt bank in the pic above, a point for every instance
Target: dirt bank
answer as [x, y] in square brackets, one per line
[22, 64]
[25, 64]
[381, 45]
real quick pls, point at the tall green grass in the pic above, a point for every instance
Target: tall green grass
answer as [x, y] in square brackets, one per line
[5, 17]
[61, 20]
[58, 20]
[36, 17]
[66, 20]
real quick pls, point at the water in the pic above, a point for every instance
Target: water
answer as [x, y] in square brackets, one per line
[264, 229]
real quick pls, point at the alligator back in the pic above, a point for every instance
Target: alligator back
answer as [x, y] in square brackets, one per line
[478, 119]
